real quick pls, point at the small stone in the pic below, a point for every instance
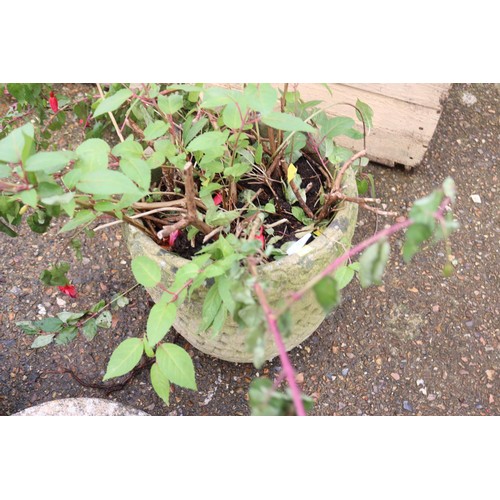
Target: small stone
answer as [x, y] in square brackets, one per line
[307, 349]
[435, 309]
[491, 399]
[407, 406]
[395, 376]
[381, 288]
[335, 349]
[431, 397]
[470, 324]
[41, 310]
[85, 261]
[123, 262]
[342, 406]
[379, 361]
[413, 290]
[476, 198]
[420, 381]
[469, 99]
[299, 378]
[350, 355]
[490, 374]
[60, 302]
[345, 371]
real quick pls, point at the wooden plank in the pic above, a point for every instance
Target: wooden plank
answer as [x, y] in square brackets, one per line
[423, 94]
[405, 116]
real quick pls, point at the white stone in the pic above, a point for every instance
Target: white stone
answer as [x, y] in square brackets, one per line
[468, 99]
[80, 407]
[475, 198]
[60, 302]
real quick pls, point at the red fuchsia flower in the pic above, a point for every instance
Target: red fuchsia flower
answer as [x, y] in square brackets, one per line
[68, 290]
[218, 199]
[172, 237]
[53, 102]
[261, 238]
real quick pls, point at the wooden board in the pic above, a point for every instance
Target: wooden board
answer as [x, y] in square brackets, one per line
[405, 116]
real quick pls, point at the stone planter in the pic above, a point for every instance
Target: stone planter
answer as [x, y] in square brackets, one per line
[80, 407]
[283, 276]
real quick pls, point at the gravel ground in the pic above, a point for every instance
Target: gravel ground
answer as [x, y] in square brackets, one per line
[418, 345]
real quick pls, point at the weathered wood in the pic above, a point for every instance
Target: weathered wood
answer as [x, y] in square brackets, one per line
[405, 116]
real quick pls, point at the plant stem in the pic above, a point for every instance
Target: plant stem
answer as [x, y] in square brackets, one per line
[110, 114]
[333, 266]
[273, 327]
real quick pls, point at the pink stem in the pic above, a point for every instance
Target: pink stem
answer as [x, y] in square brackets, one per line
[359, 248]
[285, 361]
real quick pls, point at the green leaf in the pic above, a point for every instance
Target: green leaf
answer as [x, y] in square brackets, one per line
[343, 276]
[146, 271]
[237, 170]
[28, 327]
[39, 221]
[194, 130]
[5, 171]
[70, 317]
[155, 130]
[261, 97]
[327, 293]
[55, 276]
[177, 365]
[42, 340]
[12, 147]
[336, 126]
[92, 155]
[104, 320]
[449, 189]
[137, 170]
[128, 148]
[106, 182]
[7, 230]
[66, 335]
[160, 383]
[285, 323]
[213, 97]
[89, 329]
[208, 140]
[287, 122]
[231, 116]
[217, 217]
[81, 217]
[29, 197]
[49, 162]
[124, 358]
[49, 325]
[415, 235]
[211, 307]
[372, 263]
[171, 104]
[364, 112]
[110, 104]
[160, 320]
[300, 215]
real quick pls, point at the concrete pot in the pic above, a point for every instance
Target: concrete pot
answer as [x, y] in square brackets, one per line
[283, 276]
[80, 407]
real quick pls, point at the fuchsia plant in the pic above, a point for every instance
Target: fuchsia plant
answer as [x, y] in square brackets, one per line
[219, 174]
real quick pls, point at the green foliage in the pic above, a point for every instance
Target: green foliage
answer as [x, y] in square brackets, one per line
[113, 102]
[265, 400]
[372, 263]
[160, 320]
[327, 293]
[56, 275]
[124, 358]
[176, 364]
[146, 271]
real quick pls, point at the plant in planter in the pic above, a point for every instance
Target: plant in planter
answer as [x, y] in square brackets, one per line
[235, 202]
